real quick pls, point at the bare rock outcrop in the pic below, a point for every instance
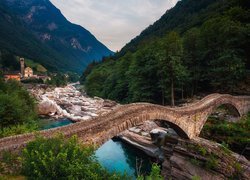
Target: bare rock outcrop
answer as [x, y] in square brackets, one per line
[187, 159]
[203, 159]
[182, 169]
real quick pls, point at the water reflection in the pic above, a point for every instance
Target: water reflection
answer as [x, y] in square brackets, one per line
[47, 123]
[117, 156]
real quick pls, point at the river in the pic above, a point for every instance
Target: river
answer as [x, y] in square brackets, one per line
[114, 155]
[49, 123]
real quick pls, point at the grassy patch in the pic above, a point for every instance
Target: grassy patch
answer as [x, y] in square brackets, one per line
[225, 148]
[9, 177]
[234, 136]
[18, 129]
[35, 66]
[196, 178]
[10, 163]
[238, 170]
[212, 162]
[196, 162]
[198, 149]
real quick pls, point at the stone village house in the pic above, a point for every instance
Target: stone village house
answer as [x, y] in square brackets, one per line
[26, 73]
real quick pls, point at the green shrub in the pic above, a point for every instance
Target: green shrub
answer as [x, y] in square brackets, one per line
[58, 158]
[9, 163]
[233, 135]
[196, 178]
[196, 162]
[211, 163]
[237, 171]
[224, 146]
[17, 107]
[155, 174]
[197, 149]
[58, 80]
[17, 129]
[202, 150]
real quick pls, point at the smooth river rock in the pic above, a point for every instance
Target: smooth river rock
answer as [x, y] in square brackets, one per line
[68, 102]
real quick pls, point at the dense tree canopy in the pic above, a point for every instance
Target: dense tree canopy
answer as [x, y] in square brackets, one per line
[16, 105]
[17, 109]
[206, 52]
[8, 61]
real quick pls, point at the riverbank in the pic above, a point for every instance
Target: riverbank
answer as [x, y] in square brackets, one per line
[68, 102]
[187, 159]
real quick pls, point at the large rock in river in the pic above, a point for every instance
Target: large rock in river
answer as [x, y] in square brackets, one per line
[47, 108]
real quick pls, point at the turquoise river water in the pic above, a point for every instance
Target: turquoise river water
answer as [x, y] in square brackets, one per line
[114, 155]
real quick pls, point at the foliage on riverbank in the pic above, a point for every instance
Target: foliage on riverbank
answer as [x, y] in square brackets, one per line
[155, 174]
[57, 80]
[216, 159]
[18, 129]
[62, 79]
[59, 158]
[234, 135]
[17, 109]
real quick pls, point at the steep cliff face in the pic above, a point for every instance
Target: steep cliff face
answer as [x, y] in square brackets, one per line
[40, 31]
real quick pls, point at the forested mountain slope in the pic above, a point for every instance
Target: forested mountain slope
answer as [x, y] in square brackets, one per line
[197, 46]
[36, 29]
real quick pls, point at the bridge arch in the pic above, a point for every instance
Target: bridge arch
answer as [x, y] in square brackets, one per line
[189, 119]
[147, 113]
[231, 106]
[175, 127]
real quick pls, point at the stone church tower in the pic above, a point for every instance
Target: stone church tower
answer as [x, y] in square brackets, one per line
[22, 66]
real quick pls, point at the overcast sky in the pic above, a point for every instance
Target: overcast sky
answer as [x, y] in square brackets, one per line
[114, 22]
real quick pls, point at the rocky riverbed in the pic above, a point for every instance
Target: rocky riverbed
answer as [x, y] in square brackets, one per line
[186, 159]
[68, 102]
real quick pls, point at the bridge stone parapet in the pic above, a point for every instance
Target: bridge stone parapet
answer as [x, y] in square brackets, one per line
[188, 121]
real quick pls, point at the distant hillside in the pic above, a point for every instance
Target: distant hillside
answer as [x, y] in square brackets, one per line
[184, 16]
[197, 46]
[36, 29]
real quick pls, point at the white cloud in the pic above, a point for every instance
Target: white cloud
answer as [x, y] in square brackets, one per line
[114, 22]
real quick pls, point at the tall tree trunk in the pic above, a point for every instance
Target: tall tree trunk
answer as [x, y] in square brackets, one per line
[182, 92]
[163, 97]
[196, 80]
[172, 92]
[192, 89]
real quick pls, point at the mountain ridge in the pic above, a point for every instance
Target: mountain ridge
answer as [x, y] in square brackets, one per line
[168, 22]
[64, 46]
[199, 46]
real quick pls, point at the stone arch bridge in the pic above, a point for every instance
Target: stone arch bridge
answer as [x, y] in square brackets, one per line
[188, 121]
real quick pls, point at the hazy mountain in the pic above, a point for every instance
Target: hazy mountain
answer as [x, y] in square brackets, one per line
[37, 29]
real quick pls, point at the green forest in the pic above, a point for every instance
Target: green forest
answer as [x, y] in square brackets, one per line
[17, 109]
[197, 46]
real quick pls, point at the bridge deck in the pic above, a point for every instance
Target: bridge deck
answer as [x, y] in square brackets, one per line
[190, 119]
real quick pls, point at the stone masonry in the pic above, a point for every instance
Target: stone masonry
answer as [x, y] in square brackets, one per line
[187, 121]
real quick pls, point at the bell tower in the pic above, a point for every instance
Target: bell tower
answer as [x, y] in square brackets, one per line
[22, 66]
